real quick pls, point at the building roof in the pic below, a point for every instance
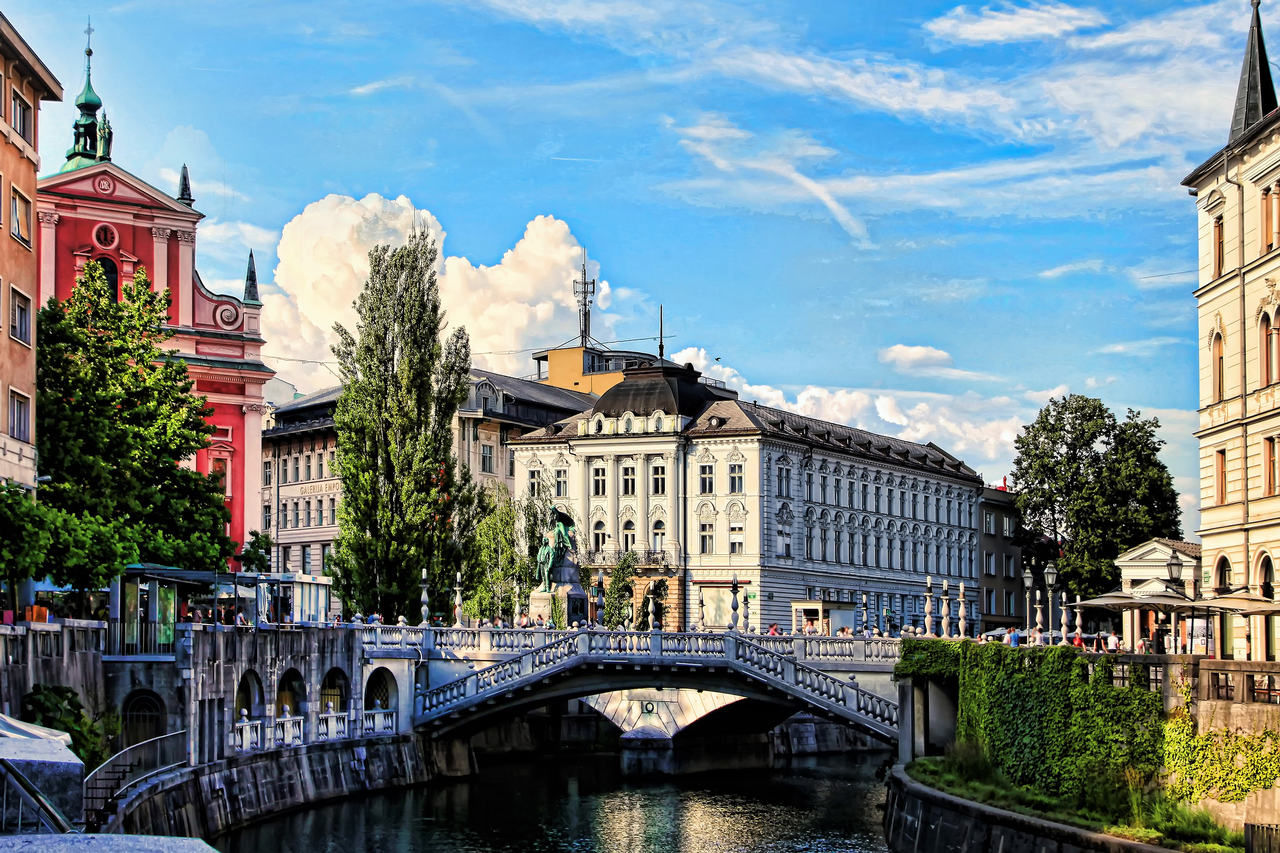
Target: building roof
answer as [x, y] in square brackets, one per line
[535, 392]
[315, 398]
[662, 387]
[1191, 549]
[9, 36]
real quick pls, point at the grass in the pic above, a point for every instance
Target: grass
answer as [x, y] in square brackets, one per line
[1143, 815]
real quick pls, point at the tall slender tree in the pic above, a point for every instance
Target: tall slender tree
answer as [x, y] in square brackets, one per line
[407, 506]
[116, 421]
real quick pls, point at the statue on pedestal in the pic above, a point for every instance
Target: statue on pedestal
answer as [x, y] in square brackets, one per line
[555, 545]
[557, 574]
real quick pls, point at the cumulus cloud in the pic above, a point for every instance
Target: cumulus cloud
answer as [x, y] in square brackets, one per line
[1010, 23]
[524, 301]
[1040, 398]
[1095, 382]
[927, 361]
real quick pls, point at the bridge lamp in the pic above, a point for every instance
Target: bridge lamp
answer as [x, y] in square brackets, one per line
[1028, 580]
[1051, 583]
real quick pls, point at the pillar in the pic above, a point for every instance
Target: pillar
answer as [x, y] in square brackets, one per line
[644, 482]
[183, 290]
[160, 260]
[674, 533]
[48, 254]
[584, 503]
[1273, 198]
[252, 457]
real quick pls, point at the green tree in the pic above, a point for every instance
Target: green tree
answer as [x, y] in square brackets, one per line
[620, 591]
[1094, 485]
[256, 556]
[59, 708]
[407, 506]
[657, 591]
[24, 537]
[116, 420]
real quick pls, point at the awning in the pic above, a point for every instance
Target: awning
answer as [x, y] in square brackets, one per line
[9, 727]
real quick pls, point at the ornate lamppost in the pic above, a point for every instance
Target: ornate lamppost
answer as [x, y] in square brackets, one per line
[1051, 585]
[1174, 569]
[1028, 580]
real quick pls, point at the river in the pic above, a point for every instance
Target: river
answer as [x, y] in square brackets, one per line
[577, 805]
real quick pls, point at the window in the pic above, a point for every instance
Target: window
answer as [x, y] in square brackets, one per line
[307, 517]
[1008, 566]
[784, 482]
[284, 515]
[822, 488]
[333, 510]
[286, 557]
[864, 496]
[324, 558]
[333, 460]
[659, 535]
[1219, 369]
[533, 484]
[266, 516]
[562, 482]
[735, 478]
[808, 487]
[865, 545]
[877, 498]
[915, 506]
[948, 512]
[306, 559]
[1010, 526]
[20, 115]
[888, 504]
[297, 468]
[628, 479]
[1219, 249]
[319, 466]
[21, 216]
[837, 540]
[822, 535]
[284, 471]
[1009, 603]
[878, 543]
[1265, 356]
[736, 545]
[597, 482]
[808, 543]
[1220, 476]
[784, 544]
[990, 595]
[706, 479]
[266, 473]
[486, 459]
[598, 536]
[706, 538]
[19, 316]
[1265, 222]
[915, 556]
[989, 523]
[511, 463]
[19, 417]
[295, 514]
[988, 564]
[307, 467]
[628, 536]
[659, 487]
[836, 485]
[1268, 466]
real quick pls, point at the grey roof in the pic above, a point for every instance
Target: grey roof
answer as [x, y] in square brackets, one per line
[535, 392]
[315, 398]
[1255, 94]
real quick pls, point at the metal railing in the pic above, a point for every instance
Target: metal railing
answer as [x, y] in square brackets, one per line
[24, 810]
[1261, 838]
[140, 638]
[128, 767]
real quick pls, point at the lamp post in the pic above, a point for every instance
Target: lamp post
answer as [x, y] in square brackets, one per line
[1051, 583]
[1174, 569]
[1028, 580]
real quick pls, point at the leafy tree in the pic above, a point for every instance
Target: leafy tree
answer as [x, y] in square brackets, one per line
[407, 506]
[256, 556]
[60, 708]
[24, 536]
[618, 595]
[1094, 485]
[116, 422]
[657, 590]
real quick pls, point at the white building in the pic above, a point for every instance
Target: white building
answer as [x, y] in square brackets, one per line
[810, 516]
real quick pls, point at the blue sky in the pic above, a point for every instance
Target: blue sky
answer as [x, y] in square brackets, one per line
[924, 218]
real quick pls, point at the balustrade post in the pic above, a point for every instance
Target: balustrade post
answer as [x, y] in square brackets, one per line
[964, 622]
[1066, 605]
[946, 609]
[798, 647]
[928, 605]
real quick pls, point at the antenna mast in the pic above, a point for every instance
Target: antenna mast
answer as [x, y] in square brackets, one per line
[661, 333]
[585, 290]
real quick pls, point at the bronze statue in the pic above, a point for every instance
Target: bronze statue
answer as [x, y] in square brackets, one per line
[557, 542]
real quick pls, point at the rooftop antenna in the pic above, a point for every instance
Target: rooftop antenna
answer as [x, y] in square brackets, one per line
[585, 290]
[661, 333]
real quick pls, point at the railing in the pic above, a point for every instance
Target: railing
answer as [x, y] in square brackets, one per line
[248, 734]
[1261, 838]
[288, 730]
[139, 638]
[379, 722]
[693, 645]
[130, 766]
[24, 810]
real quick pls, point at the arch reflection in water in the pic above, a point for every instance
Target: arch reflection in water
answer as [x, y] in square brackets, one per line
[540, 804]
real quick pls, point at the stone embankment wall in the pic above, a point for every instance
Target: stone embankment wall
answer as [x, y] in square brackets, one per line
[919, 819]
[211, 799]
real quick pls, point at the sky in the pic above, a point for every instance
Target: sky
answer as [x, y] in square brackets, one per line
[925, 219]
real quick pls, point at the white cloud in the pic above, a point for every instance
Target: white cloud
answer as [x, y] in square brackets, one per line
[1041, 398]
[1010, 23]
[380, 85]
[523, 301]
[1094, 265]
[1094, 382]
[1149, 346]
[926, 361]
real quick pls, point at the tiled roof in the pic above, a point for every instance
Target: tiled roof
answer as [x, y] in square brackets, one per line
[1191, 549]
[535, 392]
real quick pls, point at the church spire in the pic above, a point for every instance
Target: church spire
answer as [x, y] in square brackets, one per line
[86, 145]
[251, 281]
[1256, 94]
[184, 187]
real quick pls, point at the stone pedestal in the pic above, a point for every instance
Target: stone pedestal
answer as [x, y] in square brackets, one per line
[566, 588]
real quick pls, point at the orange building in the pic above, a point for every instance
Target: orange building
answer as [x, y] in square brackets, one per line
[24, 83]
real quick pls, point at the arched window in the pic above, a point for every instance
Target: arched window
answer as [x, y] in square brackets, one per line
[1266, 371]
[1224, 578]
[1219, 369]
[143, 717]
[659, 535]
[1266, 574]
[112, 274]
[597, 536]
[628, 536]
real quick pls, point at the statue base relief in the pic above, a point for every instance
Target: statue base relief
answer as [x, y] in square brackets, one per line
[566, 588]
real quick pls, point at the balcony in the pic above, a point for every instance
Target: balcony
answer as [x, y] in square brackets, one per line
[609, 557]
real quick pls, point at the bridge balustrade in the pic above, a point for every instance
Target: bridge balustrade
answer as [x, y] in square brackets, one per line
[379, 722]
[710, 645]
[248, 734]
[331, 725]
[288, 729]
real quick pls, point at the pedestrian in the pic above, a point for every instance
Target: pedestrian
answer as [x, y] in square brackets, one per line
[539, 622]
[1014, 639]
[1113, 644]
[240, 620]
[1078, 642]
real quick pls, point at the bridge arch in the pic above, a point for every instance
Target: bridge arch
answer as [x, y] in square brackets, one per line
[335, 690]
[142, 717]
[381, 690]
[291, 692]
[250, 697]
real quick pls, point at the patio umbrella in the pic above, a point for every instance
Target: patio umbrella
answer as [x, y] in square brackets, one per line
[1115, 600]
[1239, 600]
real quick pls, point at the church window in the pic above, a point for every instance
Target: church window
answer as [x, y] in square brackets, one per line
[562, 482]
[20, 115]
[735, 478]
[629, 480]
[21, 216]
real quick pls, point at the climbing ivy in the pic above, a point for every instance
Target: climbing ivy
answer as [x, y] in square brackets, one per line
[1219, 764]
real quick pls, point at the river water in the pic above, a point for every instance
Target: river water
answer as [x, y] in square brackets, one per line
[580, 805]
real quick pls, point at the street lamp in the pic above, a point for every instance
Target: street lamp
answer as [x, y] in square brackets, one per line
[1028, 581]
[1174, 570]
[1051, 584]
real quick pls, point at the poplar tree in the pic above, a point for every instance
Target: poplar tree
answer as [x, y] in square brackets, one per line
[407, 506]
[116, 426]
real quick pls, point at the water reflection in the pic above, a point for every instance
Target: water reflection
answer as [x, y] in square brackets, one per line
[584, 805]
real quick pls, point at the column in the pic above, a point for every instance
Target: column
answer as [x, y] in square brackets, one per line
[252, 468]
[183, 290]
[1273, 198]
[48, 254]
[644, 482]
[672, 461]
[160, 262]
[614, 485]
[584, 504]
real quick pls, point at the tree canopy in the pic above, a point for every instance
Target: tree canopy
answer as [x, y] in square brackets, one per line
[407, 506]
[1095, 485]
[116, 421]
